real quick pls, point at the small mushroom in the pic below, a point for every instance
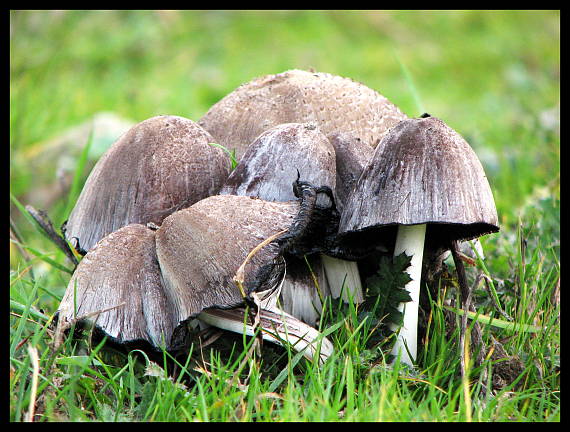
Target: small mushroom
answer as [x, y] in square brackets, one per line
[160, 165]
[202, 248]
[274, 161]
[424, 184]
[296, 96]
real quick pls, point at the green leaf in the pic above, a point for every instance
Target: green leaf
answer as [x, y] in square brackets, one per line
[385, 290]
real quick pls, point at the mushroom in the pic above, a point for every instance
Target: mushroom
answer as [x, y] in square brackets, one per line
[160, 165]
[268, 168]
[423, 189]
[137, 284]
[202, 248]
[296, 96]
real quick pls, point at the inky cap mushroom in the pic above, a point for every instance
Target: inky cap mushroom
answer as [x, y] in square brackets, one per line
[352, 156]
[296, 96]
[201, 248]
[160, 165]
[424, 183]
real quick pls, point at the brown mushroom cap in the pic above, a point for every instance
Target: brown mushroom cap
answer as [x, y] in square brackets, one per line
[422, 173]
[121, 272]
[201, 248]
[270, 164]
[159, 166]
[332, 102]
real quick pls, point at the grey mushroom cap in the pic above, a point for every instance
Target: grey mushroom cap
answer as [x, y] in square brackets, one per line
[159, 166]
[272, 162]
[201, 248]
[117, 287]
[422, 173]
[352, 156]
[332, 102]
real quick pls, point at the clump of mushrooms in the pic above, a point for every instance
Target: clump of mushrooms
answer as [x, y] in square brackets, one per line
[136, 284]
[353, 117]
[329, 170]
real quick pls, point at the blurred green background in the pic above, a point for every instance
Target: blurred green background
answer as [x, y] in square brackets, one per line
[494, 76]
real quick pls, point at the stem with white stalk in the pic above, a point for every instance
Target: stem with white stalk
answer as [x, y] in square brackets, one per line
[410, 239]
[343, 279]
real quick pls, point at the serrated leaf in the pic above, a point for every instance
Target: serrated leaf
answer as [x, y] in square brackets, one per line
[386, 289]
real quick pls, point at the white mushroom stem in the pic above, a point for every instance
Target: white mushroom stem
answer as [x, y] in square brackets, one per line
[410, 239]
[343, 279]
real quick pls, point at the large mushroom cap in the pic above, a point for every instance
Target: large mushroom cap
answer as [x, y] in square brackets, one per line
[296, 96]
[272, 162]
[120, 278]
[422, 173]
[201, 248]
[159, 166]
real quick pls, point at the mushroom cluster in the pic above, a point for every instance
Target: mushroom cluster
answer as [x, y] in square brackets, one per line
[329, 171]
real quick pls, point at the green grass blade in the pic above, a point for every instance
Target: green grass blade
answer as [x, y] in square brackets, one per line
[44, 257]
[496, 322]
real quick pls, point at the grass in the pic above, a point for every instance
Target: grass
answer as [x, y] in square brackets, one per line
[493, 76]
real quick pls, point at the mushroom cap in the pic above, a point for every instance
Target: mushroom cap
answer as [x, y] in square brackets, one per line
[296, 96]
[159, 166]
[422, 173]
[269, 165]
[201, 248]
[121, 268]
[352, 156]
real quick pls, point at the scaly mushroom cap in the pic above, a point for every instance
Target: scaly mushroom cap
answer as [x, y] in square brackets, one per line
[332, 102]
[269, 165]
[201, 248]
[159, 166]
[121, 272]
[422, 173]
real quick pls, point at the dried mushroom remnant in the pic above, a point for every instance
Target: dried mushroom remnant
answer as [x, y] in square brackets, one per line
[160, 165]
[274, 162]
[296, 96]
[424, 184]
[117, 286]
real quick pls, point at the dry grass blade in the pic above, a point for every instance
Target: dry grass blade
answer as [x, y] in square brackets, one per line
[35, 373]
[239, 276]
